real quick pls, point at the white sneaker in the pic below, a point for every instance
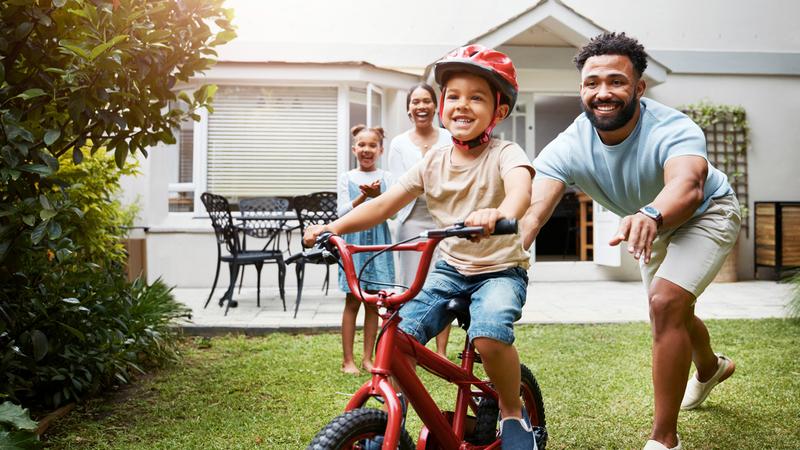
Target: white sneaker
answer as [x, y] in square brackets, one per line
[696, 392]
[655, 445]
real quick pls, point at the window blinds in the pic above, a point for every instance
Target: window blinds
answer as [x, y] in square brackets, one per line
[272, 141]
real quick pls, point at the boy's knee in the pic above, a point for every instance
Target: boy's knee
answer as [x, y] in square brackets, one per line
[490, 348]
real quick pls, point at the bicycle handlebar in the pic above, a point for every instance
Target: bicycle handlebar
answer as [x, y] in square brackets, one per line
[502, 226]
[330, 248]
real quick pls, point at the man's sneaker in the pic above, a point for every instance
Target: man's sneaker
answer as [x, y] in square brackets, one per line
[517, 434]
[696, 392]
[655, 445]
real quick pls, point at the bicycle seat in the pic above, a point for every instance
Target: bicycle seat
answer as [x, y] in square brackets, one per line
[459, 307]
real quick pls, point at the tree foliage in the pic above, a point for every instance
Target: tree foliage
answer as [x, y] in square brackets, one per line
[78, 75]
[84, 84]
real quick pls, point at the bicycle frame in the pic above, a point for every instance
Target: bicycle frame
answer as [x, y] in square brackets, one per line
[447, 434]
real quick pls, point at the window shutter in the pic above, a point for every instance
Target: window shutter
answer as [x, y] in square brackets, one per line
[272, 141]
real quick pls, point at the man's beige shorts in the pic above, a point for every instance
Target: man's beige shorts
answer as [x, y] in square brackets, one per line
[692, 254]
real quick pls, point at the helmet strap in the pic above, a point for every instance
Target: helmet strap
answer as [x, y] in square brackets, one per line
[482, 138]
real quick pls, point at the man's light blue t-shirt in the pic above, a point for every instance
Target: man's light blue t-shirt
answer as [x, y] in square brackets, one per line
[629, 175]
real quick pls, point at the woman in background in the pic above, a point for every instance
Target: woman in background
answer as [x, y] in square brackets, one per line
[406, 150]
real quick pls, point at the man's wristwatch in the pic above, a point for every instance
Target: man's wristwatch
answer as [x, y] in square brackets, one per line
[653, 213]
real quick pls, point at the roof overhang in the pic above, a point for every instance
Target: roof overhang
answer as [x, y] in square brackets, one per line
[307, 73]
[568, 27]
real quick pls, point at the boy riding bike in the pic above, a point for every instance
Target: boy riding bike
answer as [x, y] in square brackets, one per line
[482, 179]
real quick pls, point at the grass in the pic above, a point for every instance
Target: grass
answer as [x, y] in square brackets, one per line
[276, 392]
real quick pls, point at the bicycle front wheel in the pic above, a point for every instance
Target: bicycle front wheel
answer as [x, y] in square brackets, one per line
[359, 429]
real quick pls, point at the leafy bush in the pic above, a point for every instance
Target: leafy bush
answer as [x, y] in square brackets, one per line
[17, 428]
[70, 321]
[77, 77]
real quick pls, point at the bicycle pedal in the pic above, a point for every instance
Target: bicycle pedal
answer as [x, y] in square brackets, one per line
[478, 359]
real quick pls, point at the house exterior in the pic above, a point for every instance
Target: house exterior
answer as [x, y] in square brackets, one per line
[300, 75]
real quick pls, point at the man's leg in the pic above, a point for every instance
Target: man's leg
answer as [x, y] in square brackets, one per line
[671, 318]
[703, 356]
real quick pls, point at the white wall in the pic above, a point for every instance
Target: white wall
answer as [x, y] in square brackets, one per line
[724, 25]
[772, 105]
[134, 189]
[412, 33]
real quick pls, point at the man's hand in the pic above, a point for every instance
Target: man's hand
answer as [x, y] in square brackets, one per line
[640, 232]
[311, 234]
[485, 218]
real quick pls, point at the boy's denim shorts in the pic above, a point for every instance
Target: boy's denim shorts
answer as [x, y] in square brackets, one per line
[496, 303]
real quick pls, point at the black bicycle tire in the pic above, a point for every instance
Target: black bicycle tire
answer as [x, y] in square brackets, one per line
[351, 424]
[488, 409]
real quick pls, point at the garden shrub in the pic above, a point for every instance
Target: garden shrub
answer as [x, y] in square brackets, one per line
[71, 320]
[78, 77]
[17, 430]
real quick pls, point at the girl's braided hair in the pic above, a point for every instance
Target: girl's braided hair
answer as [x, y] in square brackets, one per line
[361, 127]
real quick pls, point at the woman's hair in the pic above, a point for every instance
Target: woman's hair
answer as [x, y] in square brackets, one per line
[424, 86]
[358, 129]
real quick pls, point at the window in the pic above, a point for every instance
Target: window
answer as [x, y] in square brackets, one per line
[272, 141]
[181, 177]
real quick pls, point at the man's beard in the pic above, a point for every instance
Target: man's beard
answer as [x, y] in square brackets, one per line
[614, 122]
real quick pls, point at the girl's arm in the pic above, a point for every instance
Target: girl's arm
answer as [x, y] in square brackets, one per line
[365, 216]
[345, 204]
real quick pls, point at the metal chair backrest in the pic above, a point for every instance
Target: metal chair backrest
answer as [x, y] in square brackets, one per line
[267, 228]
[219, 211]
[317, 208]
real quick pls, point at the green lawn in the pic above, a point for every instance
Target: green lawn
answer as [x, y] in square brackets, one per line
[276, 392]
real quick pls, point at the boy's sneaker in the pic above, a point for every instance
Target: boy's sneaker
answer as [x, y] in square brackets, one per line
[696, 392]
[655, 445]
[517, 434]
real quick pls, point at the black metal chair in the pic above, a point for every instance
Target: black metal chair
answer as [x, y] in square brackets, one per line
[312, 209]
[262, 206]
[257, 223]
[227, 233]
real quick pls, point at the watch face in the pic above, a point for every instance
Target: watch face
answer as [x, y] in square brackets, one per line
[650, 210]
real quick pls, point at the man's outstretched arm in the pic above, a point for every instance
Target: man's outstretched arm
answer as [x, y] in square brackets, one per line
[684, 180]
[544, 198]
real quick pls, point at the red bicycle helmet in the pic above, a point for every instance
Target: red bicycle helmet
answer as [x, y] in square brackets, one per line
[496, 67]
[493, 66]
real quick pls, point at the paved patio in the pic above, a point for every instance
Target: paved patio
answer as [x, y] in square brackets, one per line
[561, 302]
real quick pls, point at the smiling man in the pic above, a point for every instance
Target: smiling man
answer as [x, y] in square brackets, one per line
[648, 164]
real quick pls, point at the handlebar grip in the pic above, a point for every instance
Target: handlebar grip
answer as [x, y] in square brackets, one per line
[293, 258]
[506, 226]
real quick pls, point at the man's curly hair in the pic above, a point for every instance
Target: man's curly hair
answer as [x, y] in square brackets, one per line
[611, 43]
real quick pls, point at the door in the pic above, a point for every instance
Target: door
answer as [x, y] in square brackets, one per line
[560, 238]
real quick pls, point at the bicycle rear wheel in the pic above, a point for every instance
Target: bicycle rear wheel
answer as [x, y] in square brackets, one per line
[357, 430]
[486, 423]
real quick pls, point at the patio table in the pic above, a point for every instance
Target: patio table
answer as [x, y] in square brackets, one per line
[280, 221]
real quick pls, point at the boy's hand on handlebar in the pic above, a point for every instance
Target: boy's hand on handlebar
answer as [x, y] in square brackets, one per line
[312, 231]
[485, 218]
